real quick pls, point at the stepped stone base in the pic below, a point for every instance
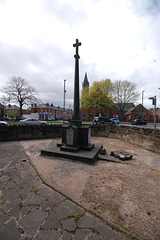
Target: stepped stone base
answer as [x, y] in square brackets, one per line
[80, 155]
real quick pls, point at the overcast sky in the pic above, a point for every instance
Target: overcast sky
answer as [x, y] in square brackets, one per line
[120, 40]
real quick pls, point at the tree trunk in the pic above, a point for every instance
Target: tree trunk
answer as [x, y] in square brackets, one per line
[21, 112]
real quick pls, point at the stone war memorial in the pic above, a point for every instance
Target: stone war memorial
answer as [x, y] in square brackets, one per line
[76, 137]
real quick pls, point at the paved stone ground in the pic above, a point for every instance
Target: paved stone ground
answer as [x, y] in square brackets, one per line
[31, 210]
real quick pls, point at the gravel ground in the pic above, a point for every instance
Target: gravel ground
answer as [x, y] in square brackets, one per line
[126, 193]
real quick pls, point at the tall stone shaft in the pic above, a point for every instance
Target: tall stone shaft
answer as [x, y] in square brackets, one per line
[76, 114]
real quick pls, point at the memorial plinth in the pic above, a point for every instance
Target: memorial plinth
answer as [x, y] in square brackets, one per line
[76, 137]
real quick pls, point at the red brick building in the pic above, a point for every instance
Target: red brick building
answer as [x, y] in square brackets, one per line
[12, 110]
[129, 113]
[139, 112]
[89, 114]
[157, 114]
[49, 111]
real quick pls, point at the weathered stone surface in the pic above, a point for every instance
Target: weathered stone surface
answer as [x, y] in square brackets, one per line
[87, 221]
[103, 151]
[26, 238]
[51, 222]
[69, 224]
[48, 235]
[66, 235]
[26, 209]
[121, 155]
[32, 221]
[15, 212]
[3, 218]
[11, 184]
[9, 194]
[46, 206]
[68, 209]
[10, 231]
[81, 234]
[108, 232]
[18, 132]
[12, 204]
[11, 172]
[95, 237]
[33, 199]
[55, 198]
[24, 188]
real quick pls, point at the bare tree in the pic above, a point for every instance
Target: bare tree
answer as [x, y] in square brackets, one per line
[125, 93]
[18, 90]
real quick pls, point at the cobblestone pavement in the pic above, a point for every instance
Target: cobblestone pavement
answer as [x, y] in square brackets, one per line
[31, 210]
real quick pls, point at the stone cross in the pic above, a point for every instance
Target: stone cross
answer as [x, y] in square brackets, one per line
[76, 45]
[76, 113]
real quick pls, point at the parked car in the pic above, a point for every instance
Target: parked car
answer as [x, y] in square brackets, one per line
[138, 122]
[115, 120]
[101, 120]
[3, 123]
[32, 121]
[7, 118]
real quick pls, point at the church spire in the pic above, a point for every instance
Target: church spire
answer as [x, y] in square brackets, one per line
[85, 82]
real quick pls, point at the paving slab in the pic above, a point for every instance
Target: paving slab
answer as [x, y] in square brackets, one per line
[31, 210]
[10, 231]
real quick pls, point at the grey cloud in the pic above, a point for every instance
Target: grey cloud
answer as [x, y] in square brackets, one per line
[144, 7]
[65, 13]
[53, 66]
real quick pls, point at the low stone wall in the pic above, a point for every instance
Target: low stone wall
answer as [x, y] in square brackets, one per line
[142, 137]
[21, 132]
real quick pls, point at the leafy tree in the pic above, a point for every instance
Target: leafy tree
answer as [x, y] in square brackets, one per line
[13, 113]
[85, 98]
[99, 96]
[125, 92]
[18, 90]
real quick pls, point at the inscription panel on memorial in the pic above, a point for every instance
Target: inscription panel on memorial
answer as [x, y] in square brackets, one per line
[70, 136]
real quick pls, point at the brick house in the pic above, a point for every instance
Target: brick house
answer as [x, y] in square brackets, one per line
[49, 111]
[139, 112]
[157, 114]
[89, 114]
[11, 108]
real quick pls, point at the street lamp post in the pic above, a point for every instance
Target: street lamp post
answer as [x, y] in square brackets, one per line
[64, 101]
[154, 103]
[142, 103]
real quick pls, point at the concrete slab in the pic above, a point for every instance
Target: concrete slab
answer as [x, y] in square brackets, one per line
[81, 155]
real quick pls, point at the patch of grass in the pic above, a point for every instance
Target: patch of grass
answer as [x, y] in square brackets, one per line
[93, 230]
[12, 123]
[77, 217]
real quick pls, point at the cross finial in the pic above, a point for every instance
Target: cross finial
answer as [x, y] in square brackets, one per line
[76, 45]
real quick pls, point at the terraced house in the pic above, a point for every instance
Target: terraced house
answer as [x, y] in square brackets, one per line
[49, 111]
